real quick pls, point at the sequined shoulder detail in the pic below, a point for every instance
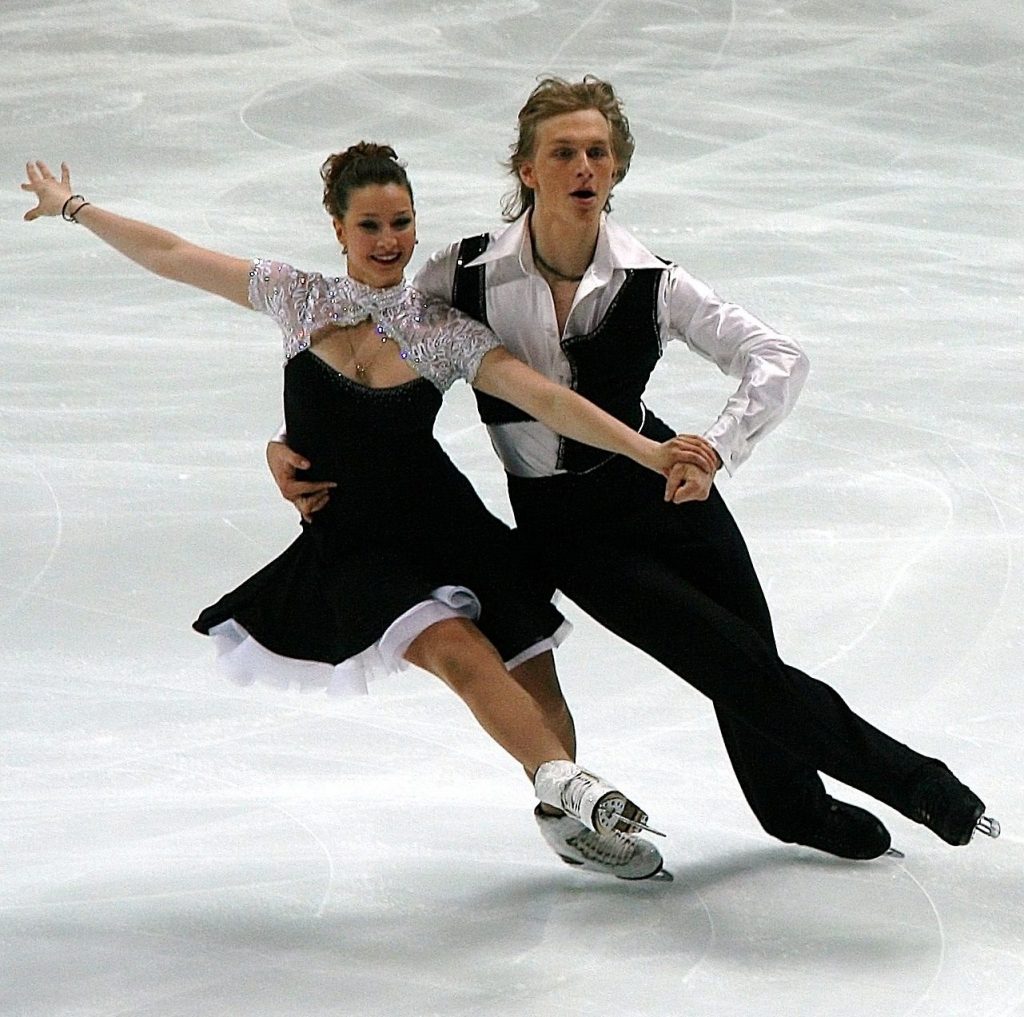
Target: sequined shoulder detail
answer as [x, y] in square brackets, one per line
[442, 344]
[302, 302]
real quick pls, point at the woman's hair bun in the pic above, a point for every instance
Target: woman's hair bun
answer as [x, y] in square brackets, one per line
[359, 166]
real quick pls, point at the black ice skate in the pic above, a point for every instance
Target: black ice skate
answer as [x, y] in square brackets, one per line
[845, 831]
[588, 798]
[950, 809]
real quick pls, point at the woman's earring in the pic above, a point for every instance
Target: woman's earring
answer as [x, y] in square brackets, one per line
[344, 249]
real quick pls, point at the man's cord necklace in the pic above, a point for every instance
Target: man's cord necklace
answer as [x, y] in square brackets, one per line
[551, 268]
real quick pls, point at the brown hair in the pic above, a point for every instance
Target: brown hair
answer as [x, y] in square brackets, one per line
[359, 166]
[551, 98]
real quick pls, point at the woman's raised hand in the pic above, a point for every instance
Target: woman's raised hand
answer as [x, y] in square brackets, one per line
[157, 250]
[50, 192]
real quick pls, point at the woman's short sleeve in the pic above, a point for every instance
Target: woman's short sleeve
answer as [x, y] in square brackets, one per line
[289, 296]
[449, 345]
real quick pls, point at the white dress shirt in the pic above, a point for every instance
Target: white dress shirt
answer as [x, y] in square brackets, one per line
[770, 367]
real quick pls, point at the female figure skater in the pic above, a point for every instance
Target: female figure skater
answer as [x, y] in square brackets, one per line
[406, 563]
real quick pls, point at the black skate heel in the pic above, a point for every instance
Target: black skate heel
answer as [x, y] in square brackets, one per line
[950, 809]
[846, 831]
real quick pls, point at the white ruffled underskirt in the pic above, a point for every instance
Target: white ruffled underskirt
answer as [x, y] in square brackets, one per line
[245, 661]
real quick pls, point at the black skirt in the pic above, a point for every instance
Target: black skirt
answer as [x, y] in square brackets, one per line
[402, 524]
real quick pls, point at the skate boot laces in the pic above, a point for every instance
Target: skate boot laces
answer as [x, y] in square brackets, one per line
[613, 849]
[606, 854]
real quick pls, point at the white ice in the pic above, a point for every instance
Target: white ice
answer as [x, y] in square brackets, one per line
[171, 845]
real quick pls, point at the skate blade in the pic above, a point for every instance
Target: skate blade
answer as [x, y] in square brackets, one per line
[661, 876]
[616, 813]
[894, 853]
[637, 825]
[989, 827]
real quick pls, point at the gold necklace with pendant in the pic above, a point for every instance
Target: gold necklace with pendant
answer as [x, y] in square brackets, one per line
[361, 368]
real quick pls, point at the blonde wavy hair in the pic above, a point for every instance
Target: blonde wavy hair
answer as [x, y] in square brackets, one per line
[551, 98]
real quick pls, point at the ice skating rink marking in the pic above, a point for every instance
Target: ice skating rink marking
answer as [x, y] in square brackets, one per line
[55, 543]
[716, 59]
[950, 438]
[597, 11]
[248, 538]
[712, 933]
[1004, 537]
[318, 911]
[90, 609]
[935, 538]
[264, 93]
[940, 929]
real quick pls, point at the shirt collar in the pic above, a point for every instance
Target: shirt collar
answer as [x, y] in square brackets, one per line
[617, 248]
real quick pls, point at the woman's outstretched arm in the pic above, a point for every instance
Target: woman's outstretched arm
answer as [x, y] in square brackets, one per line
[505, 377]
[157, 250]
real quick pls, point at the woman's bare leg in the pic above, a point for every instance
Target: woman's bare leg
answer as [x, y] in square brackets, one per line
[540, 679]
[527, 716]
[460, 655]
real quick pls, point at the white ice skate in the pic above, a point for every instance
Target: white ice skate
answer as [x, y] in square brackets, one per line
[588, 798]
[609, 854]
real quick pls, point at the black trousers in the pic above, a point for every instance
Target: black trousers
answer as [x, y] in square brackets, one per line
[677, 582]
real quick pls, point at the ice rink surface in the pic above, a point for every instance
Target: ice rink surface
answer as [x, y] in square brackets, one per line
[172, 845]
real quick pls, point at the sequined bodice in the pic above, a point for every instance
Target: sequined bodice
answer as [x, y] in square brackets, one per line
[442, 344]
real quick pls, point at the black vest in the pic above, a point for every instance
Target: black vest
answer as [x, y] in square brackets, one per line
[610, 365]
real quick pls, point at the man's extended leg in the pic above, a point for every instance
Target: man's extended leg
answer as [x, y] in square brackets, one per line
[785, 794]
[642, 568]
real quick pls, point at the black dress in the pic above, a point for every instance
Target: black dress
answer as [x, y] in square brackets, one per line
[402, 528]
